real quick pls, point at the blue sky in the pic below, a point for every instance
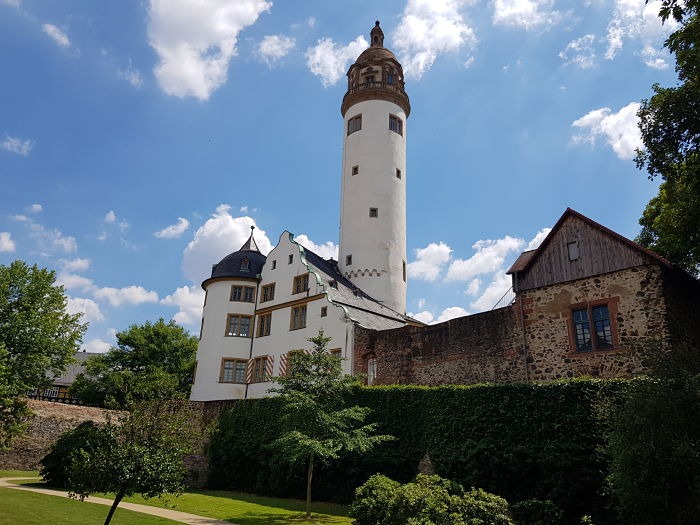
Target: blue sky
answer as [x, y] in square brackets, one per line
[139, 140]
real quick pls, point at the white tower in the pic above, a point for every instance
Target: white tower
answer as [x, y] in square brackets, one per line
[373, 194]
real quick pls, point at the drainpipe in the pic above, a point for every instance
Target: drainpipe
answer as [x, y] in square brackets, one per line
[252, 328]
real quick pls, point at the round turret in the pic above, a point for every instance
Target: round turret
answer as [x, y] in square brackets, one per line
[244, 263]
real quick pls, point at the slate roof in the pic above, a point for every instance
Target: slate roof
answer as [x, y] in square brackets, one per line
[69, 375]
[232, 265]
[361, 308]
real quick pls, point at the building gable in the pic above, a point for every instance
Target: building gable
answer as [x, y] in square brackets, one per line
[577, 248]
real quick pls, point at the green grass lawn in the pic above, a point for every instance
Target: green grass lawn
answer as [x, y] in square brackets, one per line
[28, 508]
[244, 509]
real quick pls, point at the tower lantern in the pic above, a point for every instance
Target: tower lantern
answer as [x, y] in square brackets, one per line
[373, 195]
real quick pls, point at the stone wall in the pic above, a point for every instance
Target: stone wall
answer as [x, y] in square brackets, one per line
[51, 420]
[682, 294]
[637, 308]
[478, 348]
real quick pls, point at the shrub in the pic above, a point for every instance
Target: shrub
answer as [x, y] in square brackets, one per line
[57, 464]
[537, 512]
[429, 500]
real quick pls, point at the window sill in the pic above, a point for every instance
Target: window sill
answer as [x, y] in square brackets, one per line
[579, 353]
[297, 328]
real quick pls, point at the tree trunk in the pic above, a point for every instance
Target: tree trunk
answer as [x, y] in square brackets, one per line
[309, 475]
[117, 498]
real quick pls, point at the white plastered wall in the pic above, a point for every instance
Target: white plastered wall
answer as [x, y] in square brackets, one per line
[377, 245]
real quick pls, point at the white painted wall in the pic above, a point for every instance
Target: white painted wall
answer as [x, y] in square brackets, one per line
[377, 245]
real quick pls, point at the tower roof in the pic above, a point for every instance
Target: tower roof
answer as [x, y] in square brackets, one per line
[246, 262]
[376, 75]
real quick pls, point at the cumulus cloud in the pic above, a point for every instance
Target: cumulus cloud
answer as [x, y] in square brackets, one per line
[89, 308]
[538, 238]
[73, 281]
[6, 242]
[273, 48]
[17, 145]
[131, 75]
[13, 3]
[128, 295]
[174, 230]
[56, 35]
[493, 293]
[638, 21]
[448, 313]
[35, 208]
[580, 52]
[427, 29]
[216, 238]
[620, 130]
[490, 256]
[429, 261]
[474, 287]
[325, 250]
[96, 346]
[528, 14]
[110, 217]
[654, 58]
[424, 316]
[48, 240]
[189, 300]
[75, 265]
[330, 62]
[196, 39]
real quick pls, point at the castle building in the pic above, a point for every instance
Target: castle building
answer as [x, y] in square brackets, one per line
[259, 310]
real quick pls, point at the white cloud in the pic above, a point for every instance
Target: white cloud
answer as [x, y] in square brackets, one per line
[75, 265]
[528, 14]
[538, 238]
[580, 52]
[474, 287]
[48, 240]
[35, 208]
[330, 62]
[110, 217]
[6, 242]
[196, 39]
[493, 293]
[217, 237]
[189, 300]
[489, 257]
[131, 75]
[424, 317]
[89, 308]
[129, 295]
[174, 230]
[96, 346]
[17, 145]
[620, 130]
[273, 48]
[56, 35]
[13, 3]
[428, 28]
[638, 20]
[325, 250]
[72, 281]
[429, 261]
[654, 58]
[451, 313]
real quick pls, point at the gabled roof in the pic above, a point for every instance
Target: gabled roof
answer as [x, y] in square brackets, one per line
[526, 259]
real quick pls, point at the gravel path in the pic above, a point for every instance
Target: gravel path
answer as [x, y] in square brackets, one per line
[182, 517]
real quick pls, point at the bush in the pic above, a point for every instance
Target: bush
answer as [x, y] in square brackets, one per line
[429, 500]
[537, 512]
[57, 464]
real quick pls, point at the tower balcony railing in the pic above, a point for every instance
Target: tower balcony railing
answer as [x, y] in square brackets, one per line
[394, 86]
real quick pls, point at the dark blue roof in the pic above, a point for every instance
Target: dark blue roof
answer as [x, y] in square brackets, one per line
[246, 262]
[330, 268]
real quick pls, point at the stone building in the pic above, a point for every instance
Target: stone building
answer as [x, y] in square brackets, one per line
[588, 302]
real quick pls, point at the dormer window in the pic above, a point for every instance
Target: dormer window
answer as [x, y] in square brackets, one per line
[245, 264]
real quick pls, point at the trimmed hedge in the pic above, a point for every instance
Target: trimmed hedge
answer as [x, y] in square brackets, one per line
[519, 441]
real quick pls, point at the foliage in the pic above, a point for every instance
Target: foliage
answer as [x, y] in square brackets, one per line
[58, 463]
[652, 442]
[429, 500]
[142, 452]
[670, 128]
[520, 441]
[317, 425]
[150, 361]
[37, 339]
[537, 512]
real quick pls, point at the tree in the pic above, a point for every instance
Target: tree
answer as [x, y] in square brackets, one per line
[141, 452]
[318, 424]
[150, 361]
[38, 339]
[670, 128]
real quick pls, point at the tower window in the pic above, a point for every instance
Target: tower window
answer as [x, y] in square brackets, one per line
[291, 258]
[374, 212]
[404, 270]
[398, 173]
[355, 170]
[274, 264]
[324, 311]
[390, 79]
[354, 124]
[348, 260]
[396, 124]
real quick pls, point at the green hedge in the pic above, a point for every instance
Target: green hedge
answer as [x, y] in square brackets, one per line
[519, 441]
